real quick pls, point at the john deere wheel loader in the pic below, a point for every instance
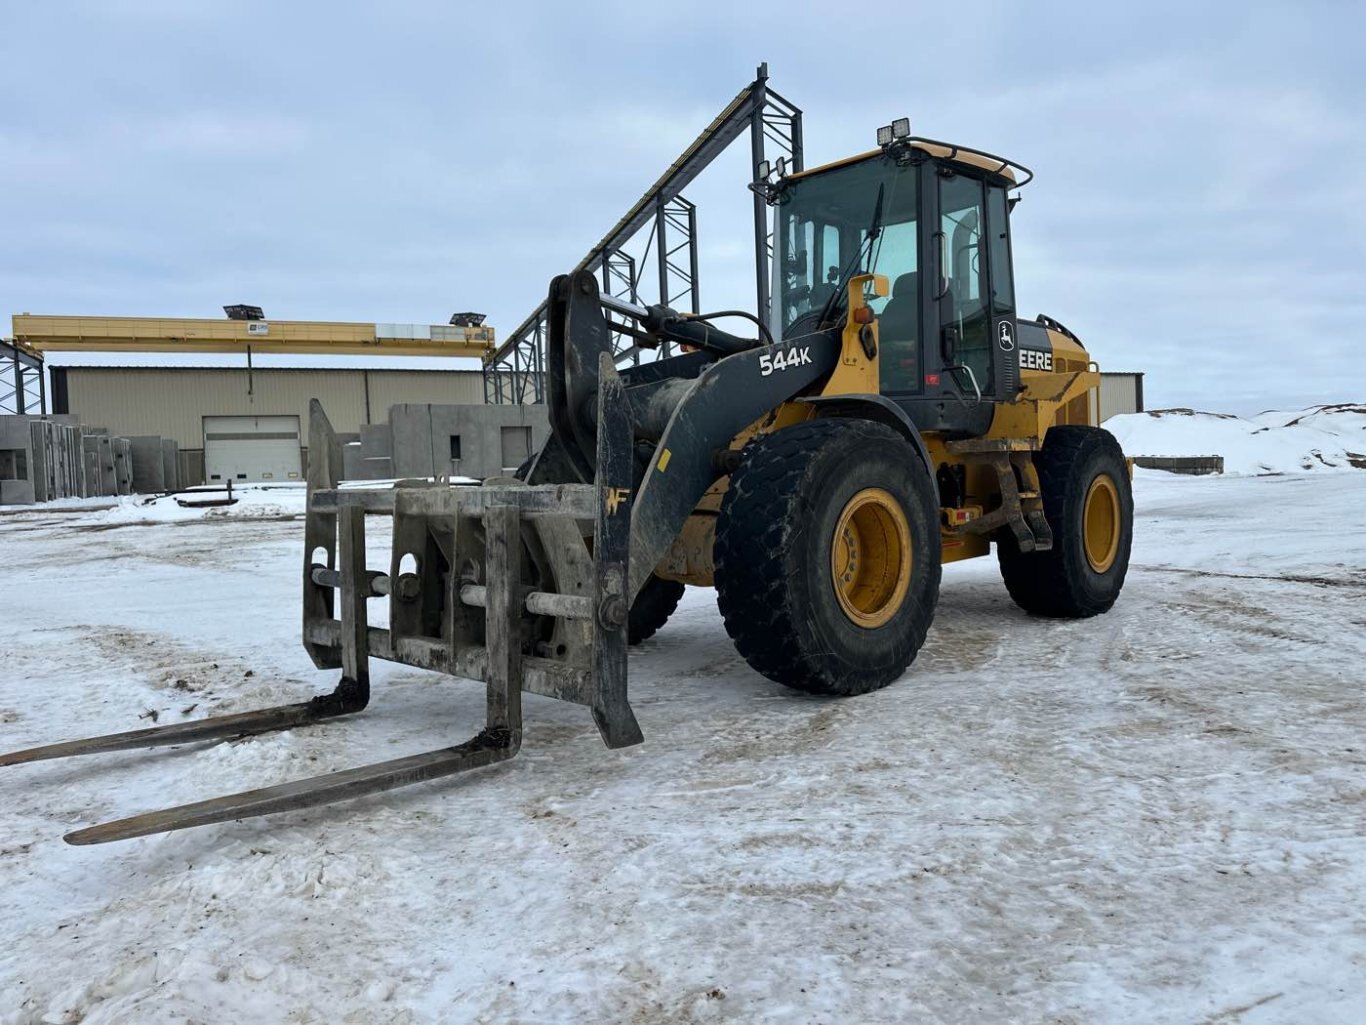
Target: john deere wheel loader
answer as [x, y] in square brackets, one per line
[897, 415]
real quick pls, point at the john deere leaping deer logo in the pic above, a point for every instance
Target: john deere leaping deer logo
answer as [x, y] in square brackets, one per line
[1005, 337]
[615, 498]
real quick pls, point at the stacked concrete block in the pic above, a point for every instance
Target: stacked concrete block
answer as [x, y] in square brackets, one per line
[464, 441]
[58, 465]
[191, 467]
[16, 492]
[69, 466]
[353, 466]
[16, 461]
[123, 466]
[376, 452]
[15, 438]
[34, 457]
[350, 453]
[101, 477]
[50, 457]
[170, 463]
[74, 457]
[45, 459]
[412, 440]
[90, 476]
[148, 469]
[43, 468]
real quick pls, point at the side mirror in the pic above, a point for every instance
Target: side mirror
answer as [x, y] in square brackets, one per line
[948, 344]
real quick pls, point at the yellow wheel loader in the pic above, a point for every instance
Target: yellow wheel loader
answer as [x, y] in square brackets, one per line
[896, 414]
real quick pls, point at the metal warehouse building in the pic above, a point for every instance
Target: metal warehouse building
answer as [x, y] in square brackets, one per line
[1121, 391]
[247, 424]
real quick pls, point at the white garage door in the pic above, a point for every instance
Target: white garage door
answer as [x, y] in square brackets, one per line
[251, 448]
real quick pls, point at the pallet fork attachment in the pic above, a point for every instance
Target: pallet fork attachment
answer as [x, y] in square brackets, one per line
[493, 583]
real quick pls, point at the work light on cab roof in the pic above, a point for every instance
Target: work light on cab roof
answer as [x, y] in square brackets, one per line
[898, 129]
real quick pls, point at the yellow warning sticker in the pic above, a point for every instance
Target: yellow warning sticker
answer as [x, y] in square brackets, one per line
[664, 460]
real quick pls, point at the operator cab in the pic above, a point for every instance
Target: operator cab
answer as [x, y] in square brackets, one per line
[947, 338]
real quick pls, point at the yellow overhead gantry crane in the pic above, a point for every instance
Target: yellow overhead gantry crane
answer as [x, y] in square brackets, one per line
[41, 334]
[244, 331]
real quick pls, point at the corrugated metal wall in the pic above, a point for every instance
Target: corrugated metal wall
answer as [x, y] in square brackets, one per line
[1120, 393]
[395, 387]
[172, 401]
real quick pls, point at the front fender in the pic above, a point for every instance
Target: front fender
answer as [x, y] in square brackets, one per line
[726, 397]
[877, 408]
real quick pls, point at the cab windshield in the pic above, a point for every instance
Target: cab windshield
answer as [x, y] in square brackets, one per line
[823, 225]
[823, 240]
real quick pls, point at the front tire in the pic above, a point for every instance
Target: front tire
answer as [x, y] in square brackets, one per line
[1089, 504]
[827, 556]
[652, 608]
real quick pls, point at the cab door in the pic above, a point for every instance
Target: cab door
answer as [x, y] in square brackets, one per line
[970, 362]
[1001, 288]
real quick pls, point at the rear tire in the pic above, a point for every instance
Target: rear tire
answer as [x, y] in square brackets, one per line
[827, 556]
[1088, 501]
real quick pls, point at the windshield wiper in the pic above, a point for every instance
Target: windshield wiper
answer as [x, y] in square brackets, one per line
[874, 230]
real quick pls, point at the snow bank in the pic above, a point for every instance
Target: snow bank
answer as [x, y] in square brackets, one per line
[251, 503]
[1345, 419]
[59, 505]
[1319, 438]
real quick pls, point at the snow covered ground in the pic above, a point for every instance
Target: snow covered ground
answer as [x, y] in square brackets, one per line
[1317, 439]
[1154, 816]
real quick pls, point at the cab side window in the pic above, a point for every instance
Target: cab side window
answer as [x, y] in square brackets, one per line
[1002, 282]
[963, 303]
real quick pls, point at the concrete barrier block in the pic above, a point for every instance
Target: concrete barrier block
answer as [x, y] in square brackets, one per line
[1194, 465]
[123, 466]
[170, 464]
[99, 466]
[148, 469]
[43, 467]
[16, 492]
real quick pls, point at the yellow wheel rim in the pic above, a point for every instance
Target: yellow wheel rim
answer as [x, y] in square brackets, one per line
[1100, 524]
[870, 559]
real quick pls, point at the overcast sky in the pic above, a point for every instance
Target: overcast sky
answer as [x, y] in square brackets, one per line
[1198, 212]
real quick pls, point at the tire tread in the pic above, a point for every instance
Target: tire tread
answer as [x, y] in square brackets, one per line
[761, 510]
[1047, 583]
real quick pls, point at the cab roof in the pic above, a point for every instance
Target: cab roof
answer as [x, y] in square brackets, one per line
[1017, 174]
